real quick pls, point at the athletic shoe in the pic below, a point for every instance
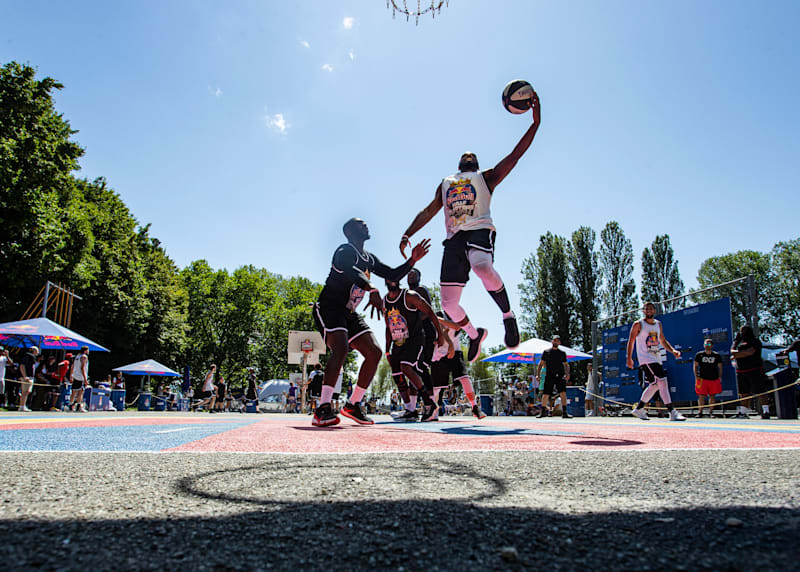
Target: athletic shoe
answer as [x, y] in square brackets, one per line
[675, 415]
[355, 413]
[764, 415]
[641, 414]
[741, 416]
[476, 411]
[589, 413]
[324, 416]
[407, 416]
[512, 332]
[83, 409]
[430, 413]
[700, 415]
[565, 415]
[475, 345]
[543, 413]
[23, 408]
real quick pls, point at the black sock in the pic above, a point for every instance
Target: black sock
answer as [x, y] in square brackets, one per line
[501, 299]
[670, 407]
[641, 405]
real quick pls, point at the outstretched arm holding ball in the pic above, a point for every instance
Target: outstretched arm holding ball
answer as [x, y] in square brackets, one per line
[503, 168]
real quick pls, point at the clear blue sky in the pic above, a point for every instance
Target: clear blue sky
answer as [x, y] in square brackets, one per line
[247, 132]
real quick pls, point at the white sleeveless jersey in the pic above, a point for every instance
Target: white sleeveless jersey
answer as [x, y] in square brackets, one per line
[648, 343]
[466, 200]
[441, 352]
[77, 372]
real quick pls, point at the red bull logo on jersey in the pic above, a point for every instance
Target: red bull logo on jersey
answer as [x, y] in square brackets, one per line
[652, 344]
[398, 327]
[460, 200]
[356, 295]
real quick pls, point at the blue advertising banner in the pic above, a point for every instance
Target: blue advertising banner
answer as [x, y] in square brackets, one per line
[685, 330]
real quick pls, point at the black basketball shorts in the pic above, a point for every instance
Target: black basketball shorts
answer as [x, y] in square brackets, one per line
[455, 264]
[328, 318]
[442, 370]
[408, 353]
[557, 383]
[651, 371]
[751, 381]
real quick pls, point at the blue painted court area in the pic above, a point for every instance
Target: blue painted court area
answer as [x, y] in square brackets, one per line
[114, 438]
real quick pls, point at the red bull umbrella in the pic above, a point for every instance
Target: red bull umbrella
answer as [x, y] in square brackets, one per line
[531, 350]
[44, 333]
[147, 367]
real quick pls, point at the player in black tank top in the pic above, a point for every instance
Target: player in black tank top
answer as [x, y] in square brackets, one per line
[404, 315]
[335, 315]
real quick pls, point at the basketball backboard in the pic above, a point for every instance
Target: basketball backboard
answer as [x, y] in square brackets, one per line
[300, 340]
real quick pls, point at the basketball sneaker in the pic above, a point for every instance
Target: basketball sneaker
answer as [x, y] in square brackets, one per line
[355, 413]
[430, 413]
[675, 415]
[476, 411]
[475, 345]
[641, 414]
[512, 332]
[565, 415]
[324, 416]
[407, 416]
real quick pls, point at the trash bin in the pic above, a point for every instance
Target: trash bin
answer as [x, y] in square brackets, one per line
[63, 398]
[87, 395]
[159, 404]
[99, 400]
[575, 401]
[183, 404]
[487, 404]
[785, 404]
[144, 401]
[251, 406]
[118, 399]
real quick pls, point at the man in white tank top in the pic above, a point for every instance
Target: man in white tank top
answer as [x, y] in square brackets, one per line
[648, 335]
[466, 197]
[80, 379]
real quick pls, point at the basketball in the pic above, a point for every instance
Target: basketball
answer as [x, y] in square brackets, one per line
[517, 96]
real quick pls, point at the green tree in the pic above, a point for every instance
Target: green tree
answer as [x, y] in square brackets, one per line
[42, 234]
[584, 278]
[661, 279]
[785, 293]
[616, 271]
[729, 267]
[546, 300]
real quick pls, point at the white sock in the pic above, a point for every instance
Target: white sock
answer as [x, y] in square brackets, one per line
[743, 409]
[412, 403]
[471, 331]
[327, 394]
[765, 408]
[358, 393]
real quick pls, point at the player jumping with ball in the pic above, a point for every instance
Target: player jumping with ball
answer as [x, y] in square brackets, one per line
[465, 198]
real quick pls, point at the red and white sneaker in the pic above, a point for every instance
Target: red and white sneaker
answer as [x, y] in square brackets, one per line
[324, 416]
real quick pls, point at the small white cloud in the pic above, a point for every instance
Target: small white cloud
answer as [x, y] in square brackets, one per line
[216, 92]
[352, 55]
[277, 122]
[348, 22]
[305, 44]
[327, 67]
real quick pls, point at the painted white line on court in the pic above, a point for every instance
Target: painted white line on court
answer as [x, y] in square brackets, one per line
[173, 430]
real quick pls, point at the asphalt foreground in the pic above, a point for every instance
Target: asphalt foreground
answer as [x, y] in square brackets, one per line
[565, 510]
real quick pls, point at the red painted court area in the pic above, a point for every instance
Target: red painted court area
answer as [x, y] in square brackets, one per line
[203, 433]
[292, 434]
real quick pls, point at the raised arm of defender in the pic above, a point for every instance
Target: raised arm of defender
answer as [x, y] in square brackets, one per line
[421, 219]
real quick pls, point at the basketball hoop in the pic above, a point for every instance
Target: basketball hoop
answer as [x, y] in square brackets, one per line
[433, 7]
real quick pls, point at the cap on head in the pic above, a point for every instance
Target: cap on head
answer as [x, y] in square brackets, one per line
[68, 356]
[556, 337]
[34, 349]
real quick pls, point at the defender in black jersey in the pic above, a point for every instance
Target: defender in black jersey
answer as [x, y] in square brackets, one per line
[336, 318]
[405, 313]
[427, 327]
[465, 198]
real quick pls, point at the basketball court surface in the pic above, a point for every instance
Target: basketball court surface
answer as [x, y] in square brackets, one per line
[294, 434]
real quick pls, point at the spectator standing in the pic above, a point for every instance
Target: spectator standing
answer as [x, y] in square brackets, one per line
[4, 361]
[591, 387]
[556, 377]
[80, 379]
[750, 376]
[252, 390]
[291, 398]
[118, 382]
[707, 376]
[27, 370]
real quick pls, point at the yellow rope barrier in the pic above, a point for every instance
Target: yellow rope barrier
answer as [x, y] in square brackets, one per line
[587, 392]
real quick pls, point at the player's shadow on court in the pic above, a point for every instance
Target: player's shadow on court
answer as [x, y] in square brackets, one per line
[387, 512]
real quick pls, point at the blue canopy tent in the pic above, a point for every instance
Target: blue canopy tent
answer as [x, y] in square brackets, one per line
[148, 367]
[44, 333]
[531, 350]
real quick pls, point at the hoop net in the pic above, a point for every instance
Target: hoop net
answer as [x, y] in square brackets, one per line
[432, 6]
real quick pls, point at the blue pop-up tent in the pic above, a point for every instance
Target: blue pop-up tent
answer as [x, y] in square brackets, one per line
[44, 333]
[147, 367]
[531, 350]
